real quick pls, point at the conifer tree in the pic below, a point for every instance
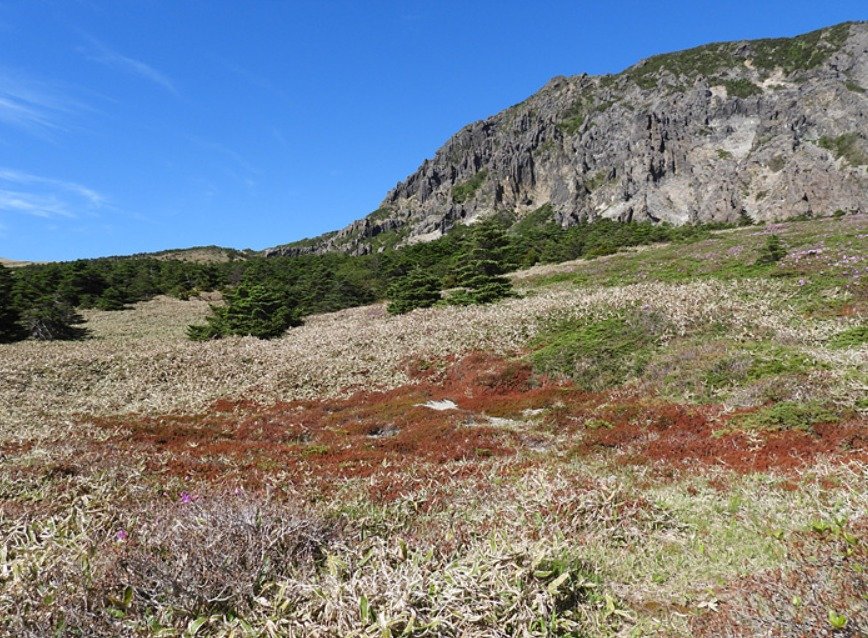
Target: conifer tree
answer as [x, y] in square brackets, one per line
[252, 310]
[10, 326]
[417, 289]
[111, 299]
[773, 251]
[53, 319]
[484, 264]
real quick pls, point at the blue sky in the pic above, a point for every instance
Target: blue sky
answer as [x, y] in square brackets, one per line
[137, 125]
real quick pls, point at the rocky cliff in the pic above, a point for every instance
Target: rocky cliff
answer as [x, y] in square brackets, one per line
[768, 129]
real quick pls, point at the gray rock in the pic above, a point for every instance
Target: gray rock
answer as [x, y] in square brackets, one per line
[770, 129]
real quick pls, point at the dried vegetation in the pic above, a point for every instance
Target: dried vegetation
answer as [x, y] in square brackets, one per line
[625, 450]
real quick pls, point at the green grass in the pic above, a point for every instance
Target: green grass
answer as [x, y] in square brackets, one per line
[786, 415]
[466, 190]
[772, 360]
[802, 53]
[709, 366]
[741, 88]
[575, 115]
[758, 362]
[670, 264]
[846, 146]
[597, 354]
[820, 282]
[850, 338]
[793, 55]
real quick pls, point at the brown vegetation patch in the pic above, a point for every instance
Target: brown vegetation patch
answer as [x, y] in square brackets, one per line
[675, 434]
[333, 438]
[825, 579]
[354, 436]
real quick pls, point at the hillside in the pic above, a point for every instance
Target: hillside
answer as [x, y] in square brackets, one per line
[201, 254]
[768, 129]
[669, 440]
[13, 263]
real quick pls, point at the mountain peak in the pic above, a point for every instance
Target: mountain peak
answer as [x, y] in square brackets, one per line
[769, 129]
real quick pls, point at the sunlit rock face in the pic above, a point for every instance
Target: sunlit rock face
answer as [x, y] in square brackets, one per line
[764, 129]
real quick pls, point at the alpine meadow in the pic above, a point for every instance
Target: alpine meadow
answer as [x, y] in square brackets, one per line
[598, 368]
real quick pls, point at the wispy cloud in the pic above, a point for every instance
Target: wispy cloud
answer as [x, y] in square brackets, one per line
[36, 196]
[240, 169]
[32, 105]
[101, 53]
[34, 204]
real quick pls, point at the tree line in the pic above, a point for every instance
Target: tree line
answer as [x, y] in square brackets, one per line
[41, 301]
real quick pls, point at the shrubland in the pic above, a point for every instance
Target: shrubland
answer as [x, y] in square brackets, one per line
[666, 440]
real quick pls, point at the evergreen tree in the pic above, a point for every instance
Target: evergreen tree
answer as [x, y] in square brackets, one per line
[10, 326]
[773, 251]
[417, 289]
[53, 319]
[111, 299]
[484, 264]
[252, 310]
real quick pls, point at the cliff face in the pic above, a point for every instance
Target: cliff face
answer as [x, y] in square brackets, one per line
[770, 129]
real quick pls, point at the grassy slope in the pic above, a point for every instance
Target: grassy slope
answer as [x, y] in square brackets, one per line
[667, 441]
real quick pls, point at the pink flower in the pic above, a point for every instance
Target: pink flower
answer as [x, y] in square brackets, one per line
[121, 535]
[186, 497]
[802, 282]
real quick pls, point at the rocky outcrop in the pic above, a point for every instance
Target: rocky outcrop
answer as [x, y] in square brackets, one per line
[768, 129]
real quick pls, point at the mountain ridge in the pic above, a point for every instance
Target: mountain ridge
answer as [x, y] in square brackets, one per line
[763, 129]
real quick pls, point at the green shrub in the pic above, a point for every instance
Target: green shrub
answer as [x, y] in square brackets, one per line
[846, 146]
[249, 311]
[771, 360]
[741, 88]
[761, 361]
[466, 190]
[597, 354]
[802, 52]
[777, 163]
[787, 415]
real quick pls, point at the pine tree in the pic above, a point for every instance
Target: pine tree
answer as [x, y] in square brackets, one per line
[10, 318]
[417, 289]
[252, 310]
[484, 265]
